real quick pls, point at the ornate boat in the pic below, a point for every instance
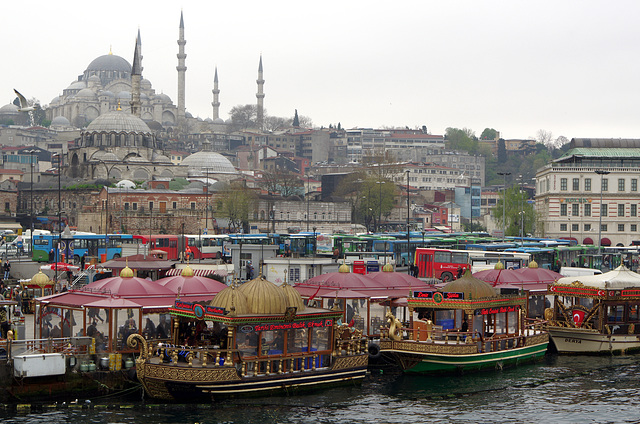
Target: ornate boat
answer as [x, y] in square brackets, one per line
[255, 339]
[465, 326]
[596, 313]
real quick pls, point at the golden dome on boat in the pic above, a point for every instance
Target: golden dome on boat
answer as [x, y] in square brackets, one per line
[40, 279]
[126, 272]
[187, 272]
[387, 268]
[264, 297]
[344, 268]
[293, 297]
[499, 265]
[472, 287]
[232, 300]
[533, 264]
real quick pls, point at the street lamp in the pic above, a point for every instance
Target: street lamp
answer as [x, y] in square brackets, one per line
[308, 196]
[59, 156]
[31, 152]
[602, 173]
[379, 203]
[106, 211]
[408, 235]
[504, 204]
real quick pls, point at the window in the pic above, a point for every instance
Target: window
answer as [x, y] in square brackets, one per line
[575, 227]
[620, 228]
[563, 209]
[587, 227]
[605, 184]
[135, 206]
[175, 205]
[587, 209]
[126, 206]
[575, 209]
[633, 210]
[603, 228]
[634, 184]
[563, 184]
[563, 227]
[193, 206]
[620, 184]
[620, 210]
[587, 184]
[634, 228]
[604, 209]
[576, 184]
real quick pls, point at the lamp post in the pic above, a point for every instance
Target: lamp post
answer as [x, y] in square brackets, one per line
[59, 156]
[408, 235]
[379, 203]
[602, 173]
[308, 196]
[206, 210]
[106, 209]
[504, 204]
[31, 152]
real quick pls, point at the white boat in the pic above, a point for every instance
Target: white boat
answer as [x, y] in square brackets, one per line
[596, 313]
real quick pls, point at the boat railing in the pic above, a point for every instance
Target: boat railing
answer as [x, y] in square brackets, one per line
[64, 345]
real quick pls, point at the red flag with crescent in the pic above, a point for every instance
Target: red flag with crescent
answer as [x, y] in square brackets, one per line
[578, 317]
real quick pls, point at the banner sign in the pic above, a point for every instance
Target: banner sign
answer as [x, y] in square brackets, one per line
[318, 323]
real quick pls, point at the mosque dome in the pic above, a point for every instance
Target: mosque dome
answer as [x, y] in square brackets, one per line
[124, 95]
[163, 97]
[264, 297]
[126, 184]
[116, 121]
[77, 85]
[145, 84]
[473, 288]
[159, 157]
[9, 109]
[60, 121]
[106, 93]
[94, 78]
[232, 300]
[218, 121]
[86, 93]
[109, 62]
[208, 120]
[55, 100]
[209, 161]
[188, 115]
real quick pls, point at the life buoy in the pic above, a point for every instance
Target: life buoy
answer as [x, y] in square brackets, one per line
[374, 350]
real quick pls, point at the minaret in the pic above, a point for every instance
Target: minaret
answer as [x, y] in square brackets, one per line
[136, 77]
[260, 96]
[216, 99]
[140, 50]
[182, 69]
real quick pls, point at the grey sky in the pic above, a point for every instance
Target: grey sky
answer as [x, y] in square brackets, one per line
[568, 67]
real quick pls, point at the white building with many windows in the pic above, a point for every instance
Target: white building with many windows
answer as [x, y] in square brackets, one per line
[591, 192]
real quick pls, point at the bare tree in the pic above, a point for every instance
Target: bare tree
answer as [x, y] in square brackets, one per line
[545, 137]
[281, 181]
[236, 203]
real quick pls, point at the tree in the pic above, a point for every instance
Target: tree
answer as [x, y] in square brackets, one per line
[462, 139]
[516, 211]
[489, 134]
[282, 181]
[545, 137]
[502, 151]
[243, 117]
[236, 203]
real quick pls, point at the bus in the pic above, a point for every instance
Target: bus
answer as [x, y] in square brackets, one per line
[545, 257]
[445, 264]
[401, 254]
[91, 245]
[168, 243]
[205, 246]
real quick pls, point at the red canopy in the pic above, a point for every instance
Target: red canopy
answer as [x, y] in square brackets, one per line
[60, 267]
[128, 287]
[398, 280]
[192, 285]
[344, 280]
[315, 291]
[538, 275]
[499, 276]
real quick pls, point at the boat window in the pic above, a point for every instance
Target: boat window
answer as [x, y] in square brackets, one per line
[512, 321]
[615, 313]
[320, 339]
[446, 319]
[298, 340]
[273, 342]
[633, 313]
[248, 344]
[501, 323]
[587, 302]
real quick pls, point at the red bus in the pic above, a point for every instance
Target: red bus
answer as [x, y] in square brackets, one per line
[165, 242]
[440, 263]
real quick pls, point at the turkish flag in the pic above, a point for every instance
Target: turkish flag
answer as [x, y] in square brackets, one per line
[578, 316]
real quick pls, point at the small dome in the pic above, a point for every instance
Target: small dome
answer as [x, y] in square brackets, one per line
[264, 297]
[55, 100]
[387, 267]
[77, 85]
[187, 272]
[94, 78]
[344, 268]
[126, 272]
[533, 264]
[188, 115]
[218, 121]
[9, 108]
[208, 161]
[163, 97]
[499, 265]
[40, 279]
[208, 121]
[232, 300]
[159, 157]
[60, 121]
[293, 297]
[472, 287]
[124, 95]
[118, 120]
[86, 93]
[126, 184]
[106, 93]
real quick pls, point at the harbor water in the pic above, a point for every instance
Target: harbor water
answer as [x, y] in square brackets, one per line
[560, 389]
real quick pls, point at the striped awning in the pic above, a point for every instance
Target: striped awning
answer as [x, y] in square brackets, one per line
[196, 272]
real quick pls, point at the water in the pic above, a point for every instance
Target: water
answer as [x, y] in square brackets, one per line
[556, 390]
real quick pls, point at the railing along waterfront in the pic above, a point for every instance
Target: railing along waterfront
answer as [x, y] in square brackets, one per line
[64, 345]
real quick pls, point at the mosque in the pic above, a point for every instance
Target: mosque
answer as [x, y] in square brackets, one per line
[122, 115]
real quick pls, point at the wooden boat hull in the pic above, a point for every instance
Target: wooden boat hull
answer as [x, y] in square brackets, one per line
[581, 340]
[432, 358]
[170, 382]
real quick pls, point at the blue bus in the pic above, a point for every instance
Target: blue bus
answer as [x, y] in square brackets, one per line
[93, 245]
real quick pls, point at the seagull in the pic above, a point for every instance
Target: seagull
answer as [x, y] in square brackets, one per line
[24, 106]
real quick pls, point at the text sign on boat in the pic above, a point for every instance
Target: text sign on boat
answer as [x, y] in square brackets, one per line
[430, 295]
[318, 323]
[197, 309]
[497, 310]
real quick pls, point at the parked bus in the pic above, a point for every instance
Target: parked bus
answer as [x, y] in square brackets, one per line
[92, 245]
[205, 246]
[445, 264]
[165, 242]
